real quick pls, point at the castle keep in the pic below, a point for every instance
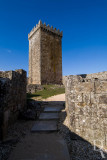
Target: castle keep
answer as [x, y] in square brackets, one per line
[45, 55]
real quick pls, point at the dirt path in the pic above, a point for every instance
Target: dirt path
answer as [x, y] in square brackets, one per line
[60, 97]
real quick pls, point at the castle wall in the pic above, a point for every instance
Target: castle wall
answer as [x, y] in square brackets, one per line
[86, 105]
[51, 58]
[12, 97]
[35, 59]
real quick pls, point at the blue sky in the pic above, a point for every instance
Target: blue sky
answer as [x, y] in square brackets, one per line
[84, 26]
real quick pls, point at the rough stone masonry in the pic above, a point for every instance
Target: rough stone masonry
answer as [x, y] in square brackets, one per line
[12, 97]
[45, 55]
[86, 105]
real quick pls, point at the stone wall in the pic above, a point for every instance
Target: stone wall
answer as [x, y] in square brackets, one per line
[45, 55]
[35, 59]
[32, 88]
[86, 105]
[12, 97]
[64, 80]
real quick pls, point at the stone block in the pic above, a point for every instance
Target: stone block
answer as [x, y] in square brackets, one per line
[101, 87]
[99, 135]
[96, 123]
[105, 125]
[94, 97]
[71, 107]
[102, 110]
[103, 99]
[89, 135]
[76, 97]
[79, 108]
[86, 87]
[87, 98]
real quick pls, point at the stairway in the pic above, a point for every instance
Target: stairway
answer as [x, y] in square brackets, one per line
[46, 146]
[48, 119]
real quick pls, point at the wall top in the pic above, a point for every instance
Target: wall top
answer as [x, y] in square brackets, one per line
[46, 27]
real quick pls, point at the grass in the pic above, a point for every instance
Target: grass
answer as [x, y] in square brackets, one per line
[48, 91]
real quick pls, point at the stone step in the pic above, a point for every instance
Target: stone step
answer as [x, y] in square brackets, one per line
[53, 109]
[44, 126]
[48, 116]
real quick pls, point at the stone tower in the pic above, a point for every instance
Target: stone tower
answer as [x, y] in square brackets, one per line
[45, 55]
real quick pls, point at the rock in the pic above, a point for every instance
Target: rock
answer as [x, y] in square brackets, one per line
[32, 88]
[33, 110]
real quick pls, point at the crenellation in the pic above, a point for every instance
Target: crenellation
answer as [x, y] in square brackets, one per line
[51, 27]
[44, 24]
[47, 27]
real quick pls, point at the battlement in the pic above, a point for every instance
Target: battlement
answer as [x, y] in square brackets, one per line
[45, 27]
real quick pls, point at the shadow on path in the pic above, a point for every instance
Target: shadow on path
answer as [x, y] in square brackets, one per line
[79, 148]
[50, 146]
